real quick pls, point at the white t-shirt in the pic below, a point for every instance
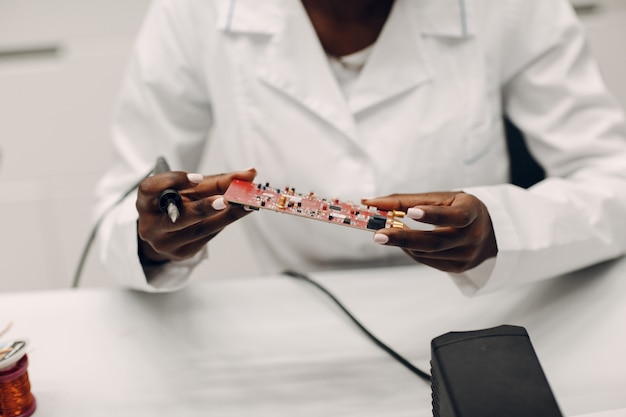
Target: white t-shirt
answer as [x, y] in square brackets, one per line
[348, 67]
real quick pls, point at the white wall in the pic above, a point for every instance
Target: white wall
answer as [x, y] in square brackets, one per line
[54, 110]
[54, 114]
[61, 62]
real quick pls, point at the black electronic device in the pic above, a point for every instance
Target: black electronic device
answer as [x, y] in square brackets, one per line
[488, 373]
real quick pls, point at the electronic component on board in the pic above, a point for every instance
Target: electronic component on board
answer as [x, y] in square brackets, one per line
[286, 200]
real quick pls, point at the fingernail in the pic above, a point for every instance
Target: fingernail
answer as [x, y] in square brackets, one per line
[381, 238]
[195, 177]
[415, 213]
[218, 204]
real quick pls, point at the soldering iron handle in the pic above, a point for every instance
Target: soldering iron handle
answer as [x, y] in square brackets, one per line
[169, 196]
[161, 166]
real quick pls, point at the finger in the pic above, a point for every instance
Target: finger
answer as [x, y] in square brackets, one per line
[177, 180]
[197, 234]
[457, 216]
[219, 219]
[406, 201]
[443, 209]
[198, 211]
[177, 241]
[438, 240]
[218, 184]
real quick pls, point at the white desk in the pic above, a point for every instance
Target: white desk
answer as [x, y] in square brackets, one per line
[611, 413]
[274, 346]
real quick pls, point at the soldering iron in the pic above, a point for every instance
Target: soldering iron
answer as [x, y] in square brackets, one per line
[169, 199]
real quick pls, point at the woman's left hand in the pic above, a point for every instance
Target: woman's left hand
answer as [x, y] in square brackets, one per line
[463, 235]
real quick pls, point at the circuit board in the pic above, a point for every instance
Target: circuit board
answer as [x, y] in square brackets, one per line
[286, 200]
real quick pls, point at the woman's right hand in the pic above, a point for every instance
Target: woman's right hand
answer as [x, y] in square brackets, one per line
[203, 214]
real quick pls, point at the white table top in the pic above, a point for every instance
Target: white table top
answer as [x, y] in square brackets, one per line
[611, 413]
[274, 346]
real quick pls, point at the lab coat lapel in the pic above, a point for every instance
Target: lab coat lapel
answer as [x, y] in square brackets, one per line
[246, 17]
[445, 18]
[295, 63]
[397, 63]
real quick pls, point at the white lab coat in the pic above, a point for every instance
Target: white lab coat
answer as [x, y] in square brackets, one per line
[425, 115]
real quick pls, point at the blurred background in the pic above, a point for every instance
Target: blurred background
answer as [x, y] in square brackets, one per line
[61, 64]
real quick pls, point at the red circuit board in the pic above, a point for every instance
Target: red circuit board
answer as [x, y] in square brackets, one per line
[287, 200]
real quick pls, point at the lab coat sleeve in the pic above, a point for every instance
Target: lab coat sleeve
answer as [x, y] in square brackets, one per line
[576, 217]
[163, 109]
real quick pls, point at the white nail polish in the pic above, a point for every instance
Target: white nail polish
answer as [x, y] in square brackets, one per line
[195, 177]
[415, 213]
[219, 204]
[380, 238]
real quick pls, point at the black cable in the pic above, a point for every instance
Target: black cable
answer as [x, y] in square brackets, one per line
[94, 231]
[77, 275]
[423, 375]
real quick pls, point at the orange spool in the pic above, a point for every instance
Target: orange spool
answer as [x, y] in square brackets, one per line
[16, 400]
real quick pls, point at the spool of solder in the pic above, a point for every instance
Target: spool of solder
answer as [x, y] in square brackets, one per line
[16, 399]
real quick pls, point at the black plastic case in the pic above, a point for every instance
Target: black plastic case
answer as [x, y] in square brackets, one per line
[491, 372]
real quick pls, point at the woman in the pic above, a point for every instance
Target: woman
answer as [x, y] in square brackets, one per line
[354, 99]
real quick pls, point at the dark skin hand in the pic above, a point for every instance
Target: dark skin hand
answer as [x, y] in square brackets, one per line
[202, 216]
[462, 239]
